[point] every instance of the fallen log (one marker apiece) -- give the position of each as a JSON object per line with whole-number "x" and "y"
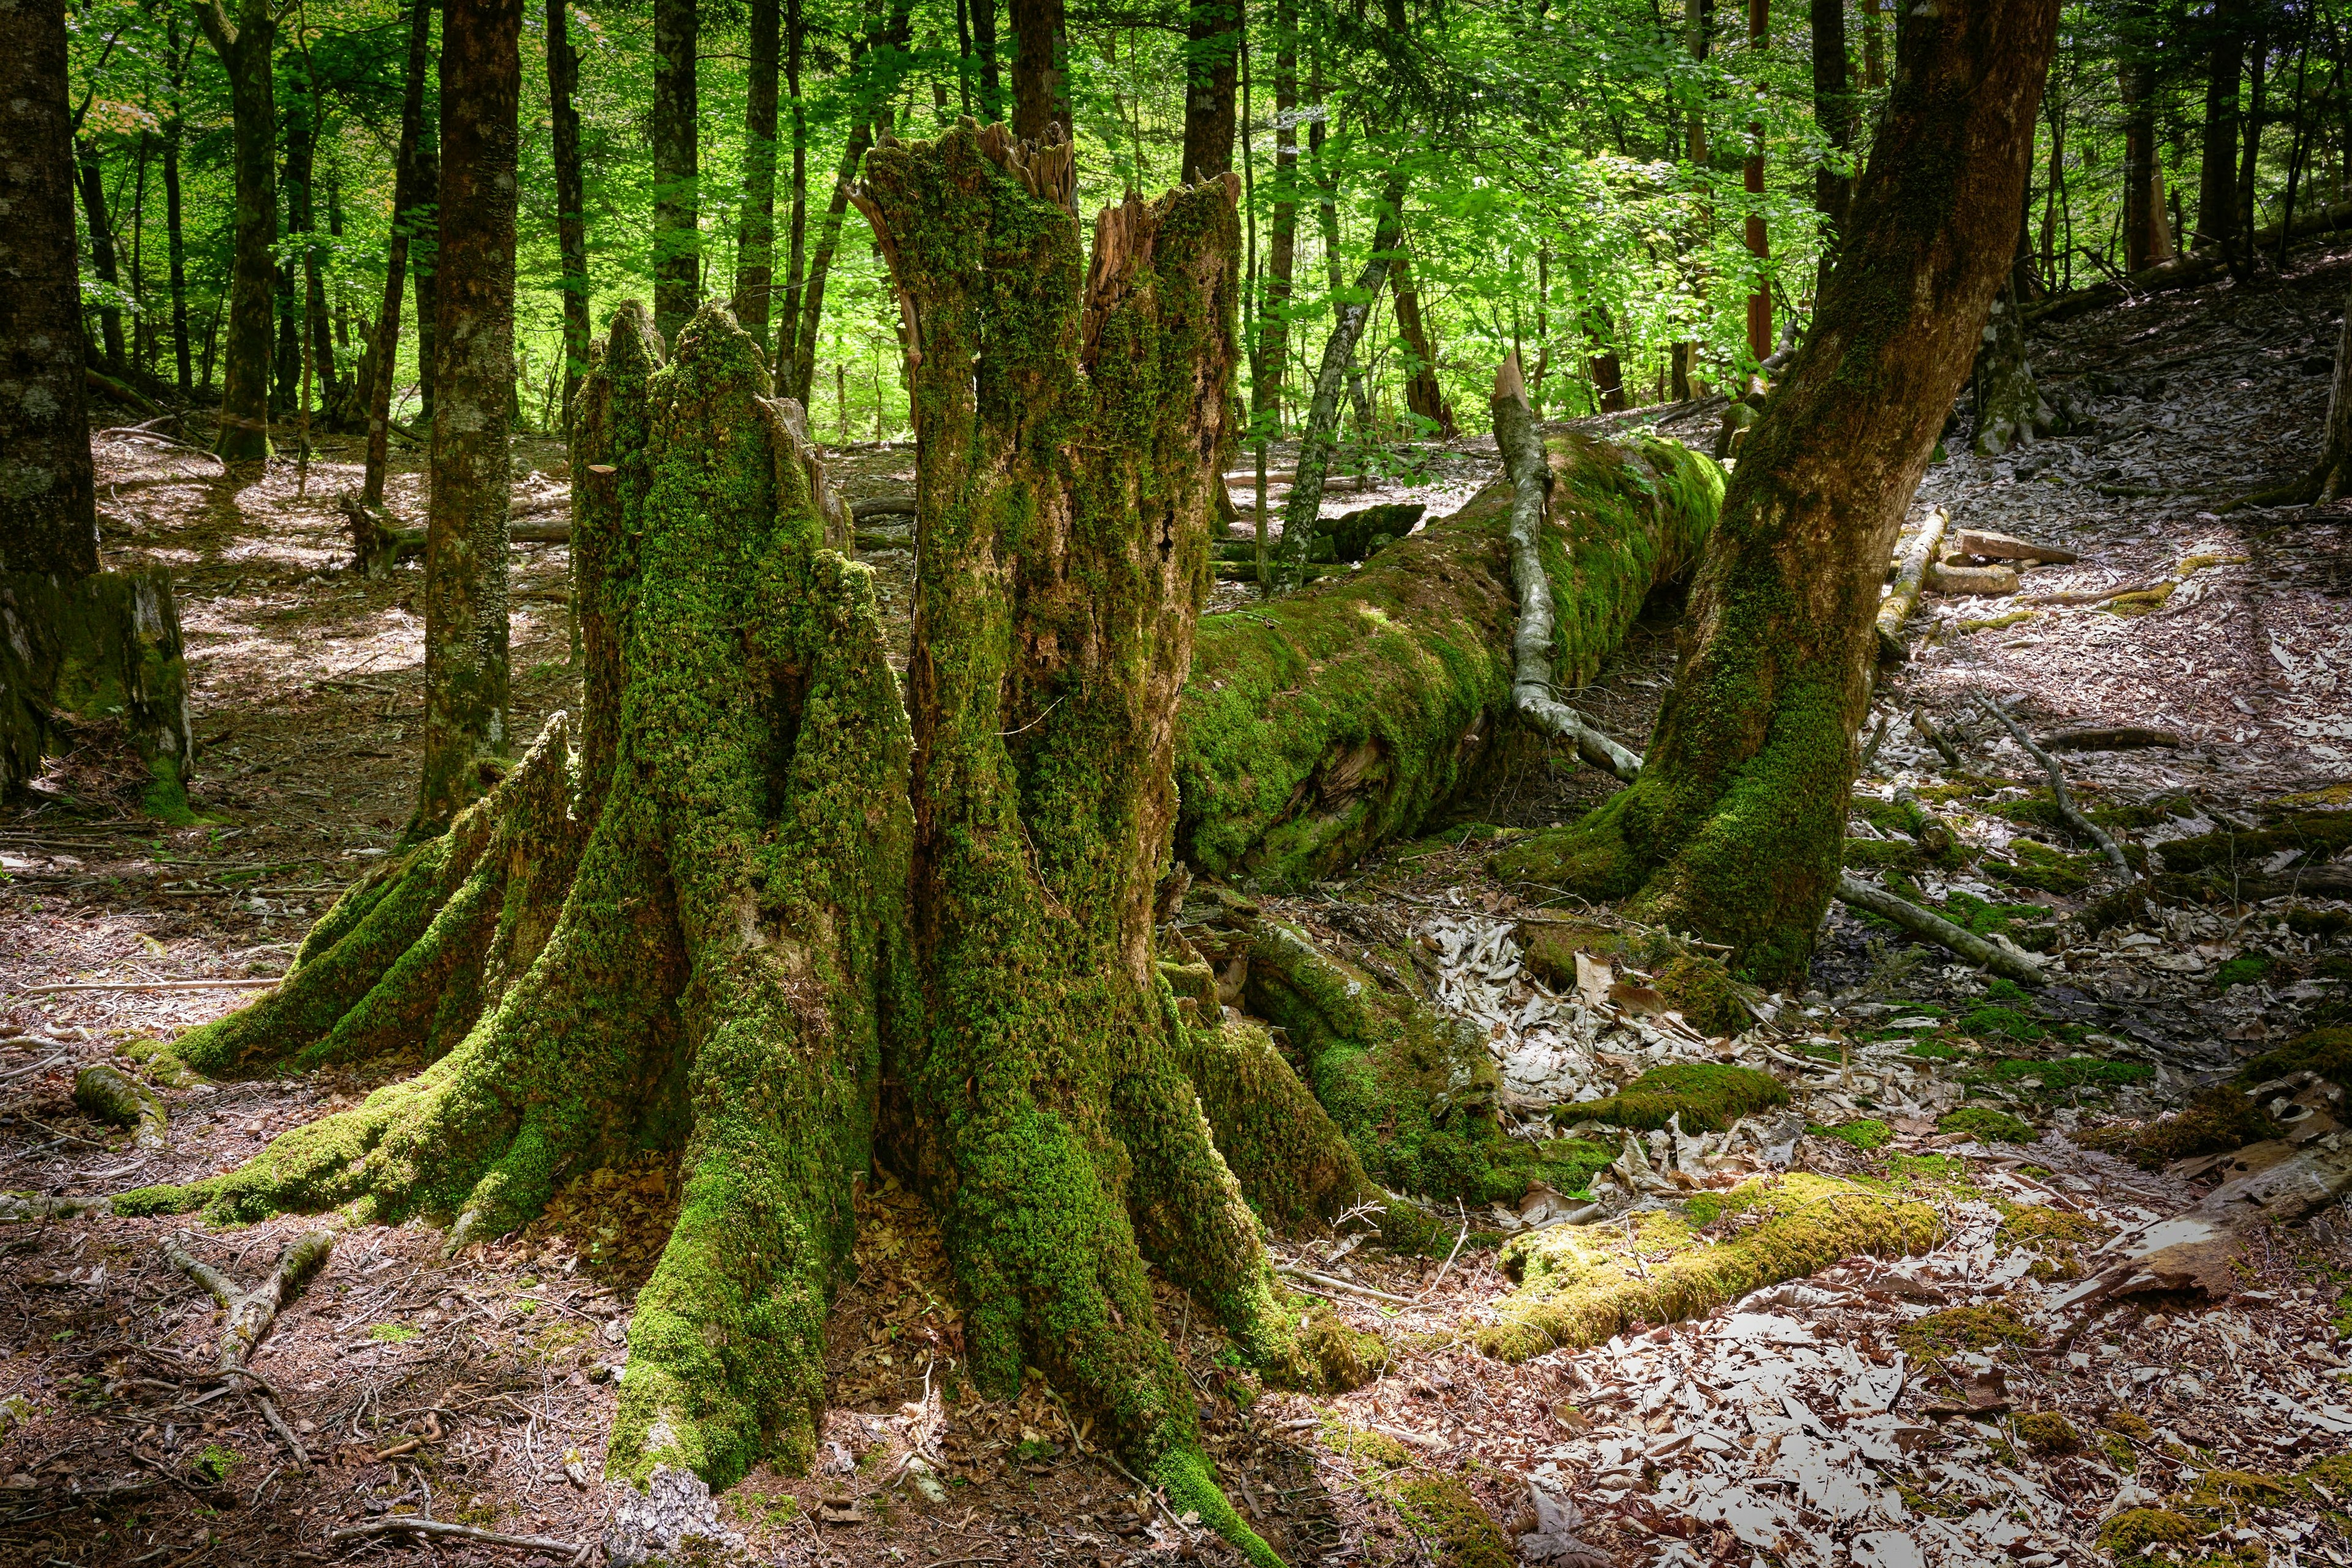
{"x": 1987, "y": 545}
{"x": 2067, "y": 809}
{"x": 882, "y": 506}
{"x": 2113, "y": 738}
{"x": 2180, "y": 272}
{"x": 1960, "y": 582}
{"x": 1319, "y": 724}
{"x": 1910, "y": 578}
{"x": 2011, "y": 963}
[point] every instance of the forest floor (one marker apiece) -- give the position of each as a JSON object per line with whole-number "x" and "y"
{"x": 1879, "y": 1413}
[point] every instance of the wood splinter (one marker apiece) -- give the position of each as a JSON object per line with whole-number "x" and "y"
{"x": 248, "y": 1314}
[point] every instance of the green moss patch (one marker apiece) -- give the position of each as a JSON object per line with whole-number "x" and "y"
{"x": 1709, "y": 1098}
{"x": 2134, "y": 1534}
{"x": 2327, "y": 1052}
{"x": 1976, "y": 1328}
{"x": 1993, "y": 1126}
{"x": 2218, "y": 1119}
{"x": 2047, "y": 1433}
{"x": 1443, "y": 1508}
{"x": 2246, "y": 969}
{"x": 2060, "y": 1077}
{"x": 1866, "y": 1134}
{"x": 1580, "y": 1286}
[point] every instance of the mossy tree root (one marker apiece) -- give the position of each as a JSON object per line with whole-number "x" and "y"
{"x": 719, "y": 950}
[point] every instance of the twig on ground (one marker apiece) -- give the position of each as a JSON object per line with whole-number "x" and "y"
{"x": 1927, "y": 926}
{"x": 577, "y": 1549}
{"x": 2066, "y": 807}
{"x": 1331, "y": 1282}
{"x": 247, "y": 1315}
{"x": 1437, "y": 1278}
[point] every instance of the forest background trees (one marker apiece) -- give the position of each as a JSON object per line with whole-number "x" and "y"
{"x": 1578, "y": 180}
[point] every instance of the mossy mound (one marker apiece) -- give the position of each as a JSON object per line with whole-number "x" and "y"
{"x": 2327, "y": 1052}
{"x": 1443, "y": 1508}
{"x": 1709, "y": 1098}
{"x": 2047, "y": 1433}
{"x": 2040, "y": 866}
{"x": 1976, "y": 1327}
{"x": 2233, "y": 1491}
{"x": 1993, "y": 1126}
{"x": 2132, "y": 1534}
{"x": 1364, "y": 1446}
{"x": 1866, "y": 1135}
{"x": 2318, "y": 834}
{"x": 2130, "y": 1423}
{"x": 1692, "y": 983}
{"x": 1580, "y": 1286}
{"x": 2246, "y": 969}
{"x": 2037, "y": 1224}
{"x": 2218, "y": 1119}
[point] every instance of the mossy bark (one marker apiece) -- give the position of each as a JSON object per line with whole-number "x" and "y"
{"x": 94, "y": 650}
{"x": 1735, "y": 827}
{"x": 1318, "y": 725}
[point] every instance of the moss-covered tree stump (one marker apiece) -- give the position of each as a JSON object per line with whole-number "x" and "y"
{"x": 761, "y": 913}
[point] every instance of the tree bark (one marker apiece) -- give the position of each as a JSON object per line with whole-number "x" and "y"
{"x": 1760, "y": 302}
{"x": 303, "y": 133}
{"x": 1422, "y": 394}
{"x": 1211, "y": 54}
{"x": 789, "y": 346}
{"x": 677, "y": 138}
{"x": 407, "y": 196}
{"x": 1735, "y": 826}
{"x": 1041, "y": 75}
{"x": 1305, "y": 507}
{"x": 2217, "y": 175}
{"x": 1607, "y": 371}
{"x": 104, "y": 647}
{"x": 2010, "y": 409}
{"x": 572, "y": 199}
{"x": 102, "y": 253}
{"x": 984, "y": 44}
{"x": 176, "y": 244}
{"x": 1272, "y": 350}
{"x": 465, "y": 532}
{"x": 1834, "y": 115}
{"x": 2146, "y": 239}
{"x": 424, "y": 241}
{"x": 755, "y": 238}
{"x": 245, "y": 46}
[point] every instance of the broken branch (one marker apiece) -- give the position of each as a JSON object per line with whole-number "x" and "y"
{"x": 2066, "y": 807}
{"x": 1910, "y": 578}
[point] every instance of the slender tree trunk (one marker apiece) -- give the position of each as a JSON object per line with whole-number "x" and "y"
{"x": 883, "y": 60}
{"x": 755, "y": 239}
{"x": 407, "y": 195}
{"x": 143, "y": 335}
{"x": 1759, "y": 303}
{"x": 677, "y": 137}
{"x": 424, "y": 242}
{"x": 2146, "y": 239}
{"x": 1833, "y": 114}
{"x": 293, "y": 294}
{"x": 335, "y": 236}
{"x": 2258, "y": 54}
{"x": 75, "y": 641}
{"x": 2053, "y": 195}
{"x": 1321, "y": 426}
{"x": 1211, "y": 41}
{"x": 1041, "y": 75}
{"x": 2217, "y": 175}
{"x": 314, "y": 284}
{"x": 1607, "y": 371}
{"x": 101, "y": 252}
{"x": 175, "y": 241}
{"x": 1873, "y": 61}
{"x": 571, "y": 198}
{"x": 245, "y": 46}
{"x": 1273, "y": 346}
{"x": 1736, "y": 827}
{"x": 1327, "y": 223}
{"x": 466, "y": 537}
{"x": 984, "y": 43}
{"x": 1422, "y": 394}
{"x": 1698, "y": 27}
{"x": 789, "y": 344}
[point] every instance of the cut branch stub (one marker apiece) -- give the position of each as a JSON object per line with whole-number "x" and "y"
{"x": 1068, "y": 441}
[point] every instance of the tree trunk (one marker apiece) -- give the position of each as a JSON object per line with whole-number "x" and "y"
{"x": 1833, "y": 114}
{"x": 1608, "y": 372}
{"x": 97, "y": 646}
{"x": 1736, "y": 826}
{"x": 2330, "y": 479}
{"x": 465, "y": 532}
{"x": 2258, "y": 54}
{"x": 2010, "y": 409}
{"x": 1423, "y": 395}
{"x": 1273, "y": 347}
{"x": 984, "y": 44}
{"x": 293, "y": 297}
{"x": 2146, "y": 241}
{"x": 885, "y": 42}
{"x": 407, "y": 194}
{"x": 572, "y": 200}
{"x": 245, "y": 46}
{"x": 789, "y": 346}
{"x": 1212, "y": 53}
{"x": 755, "y": 238}
{"x": 677, "y": 137}
{"x": 2217, "y": 175}
{"x": 102, "y": 253}
{"x": 175, "y": 242}
{"x": 1305, "y": 507}
{"x": 1041, "y": 75}
{"x": 770, "y": 925}
{"x": 424, "y": 241}
{"x": 1760, "y": 302}
{"x": 304, "y": 213}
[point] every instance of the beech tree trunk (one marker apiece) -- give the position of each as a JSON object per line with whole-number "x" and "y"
{"x": 572, "y": 200}
{"x": 1041, "y": 75}
{"x": 1735, "y": 826}
{"x": 755, "y": 237}
{"x": 424, "y": 241}
{"x": 175, "y": 242}
{"x": 2217, "y": 172}
{"x": 245, "y": 46}
{"x": 677, "y": 138}
{"x": 1422, "y": 394}
{"x": 102, "y": 253}
{"x": 1211, "y": 57}
{"x": 1833, "y": 114}
{"x": 76, "y": 644}
{"x": 383, "y": 364}
{"x": 466, "y": 534}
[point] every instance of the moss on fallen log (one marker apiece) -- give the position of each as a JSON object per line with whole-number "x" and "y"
{"x": 1316, "y": 726}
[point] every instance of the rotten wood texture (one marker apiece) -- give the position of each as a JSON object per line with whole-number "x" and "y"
{"x": 1990, "y": 546}
{"x": 1910, "y": 578}
{"x": 1996, "y": 954}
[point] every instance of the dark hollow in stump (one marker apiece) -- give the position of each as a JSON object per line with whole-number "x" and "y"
{"x": 765, "y": 916}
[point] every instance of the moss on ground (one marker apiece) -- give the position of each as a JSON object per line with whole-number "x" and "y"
{"x": 2054, "y": 1080}
{"x": 2327, "y": 1052}
{"x": 2049, "y": 1434}
{"x": 1866, "y": 1135}
{"x": 2132, "y": 1535}
{"x": 1995, "y": 1126}
{"x": 2038, "y": 866}
{"x": 2318, "y": 833}
{"x": 2218, "y": 1119}
{"x": 1693, "y": 984}
{"x": 1443, "y": 1508}
{"x": 1974, "y": 1328}
{"x": 1707, "y": 1096}
{"x": 1578, "y": 1287}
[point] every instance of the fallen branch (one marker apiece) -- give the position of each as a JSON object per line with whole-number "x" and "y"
{"x": 2099, "y": 596}
{"x": 2066, "y": 807}
{"x": 153, "y": 986}
{"x": 18, "y": 1207}
{"x": 248, "y": 1314}
{"x": 1331, "y": 1282}
{"x": 882, "y": 506}
{"x": 1530, "y": 474}
{"x": 1910, "y": 579}
{"x": 2118, "y": 738}
{"x": 389, "y": 1523}
{"x": 2001, "y": 960}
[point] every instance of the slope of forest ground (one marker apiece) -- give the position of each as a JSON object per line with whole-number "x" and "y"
{"x": 1949, "y": 1408}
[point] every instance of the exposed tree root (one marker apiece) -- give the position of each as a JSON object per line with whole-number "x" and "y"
{"x": 574, "y": 1552}
{"x": 248, "y": 1314}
